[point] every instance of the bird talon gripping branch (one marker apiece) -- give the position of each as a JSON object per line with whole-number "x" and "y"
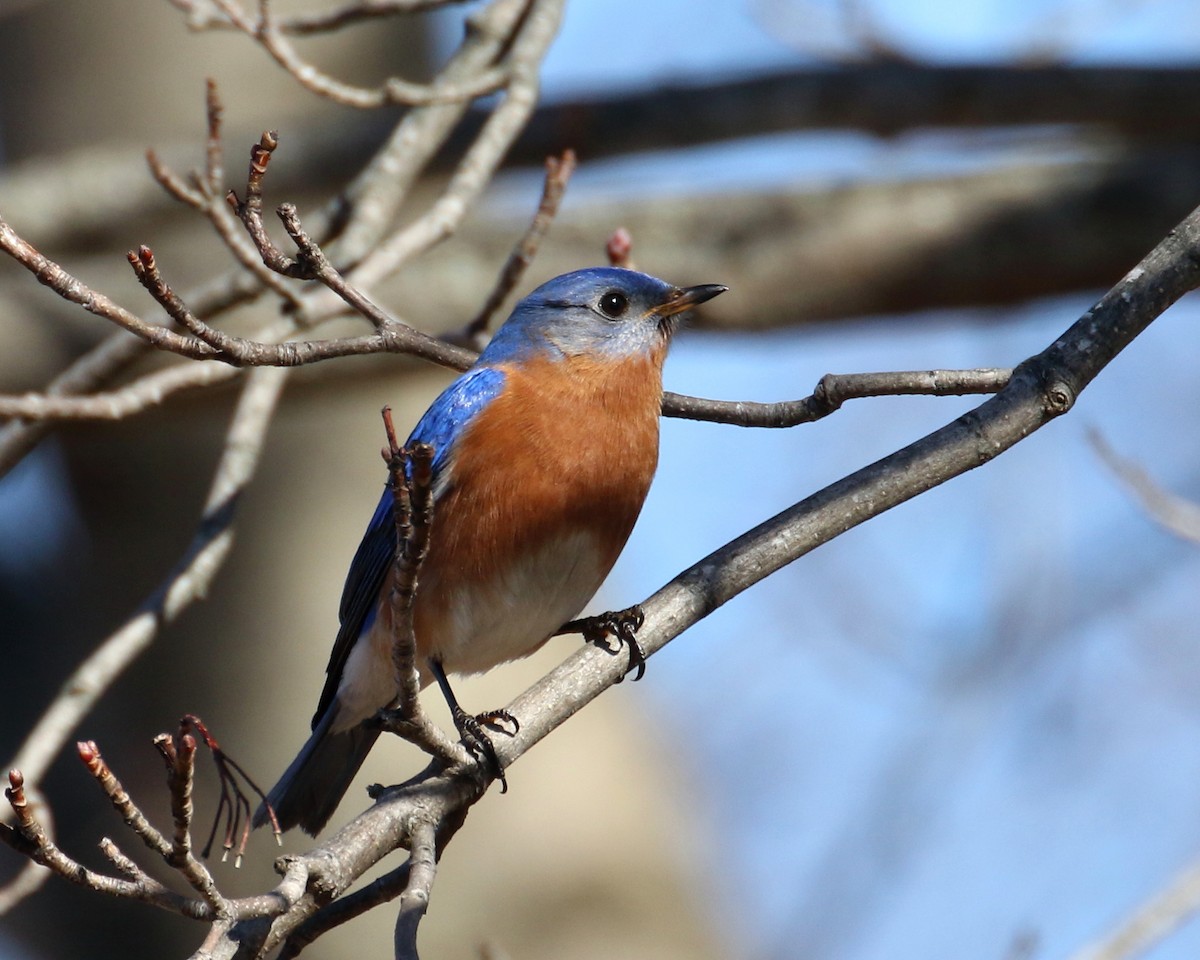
{"x": 479, "y": 745}
{"x": 619, "y": 625}
{"x": 500, "y": 720}
{"x": 541, "y": 457}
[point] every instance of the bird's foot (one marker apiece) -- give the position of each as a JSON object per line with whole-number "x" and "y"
{"x": 477, "y": 741}
{"x": 619, "y": 625}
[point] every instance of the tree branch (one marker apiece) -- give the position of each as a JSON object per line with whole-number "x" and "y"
{"x": 1175, "y": 514}
{"x": 1151, "y": 922}
{"x": 832, "y": 391}
{"x": 414, "y": 901}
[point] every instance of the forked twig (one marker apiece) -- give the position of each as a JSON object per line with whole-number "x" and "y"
{"x": 233, "y": 806}
{"x": 558, "y": 173}
{"x": 410, "y": 473}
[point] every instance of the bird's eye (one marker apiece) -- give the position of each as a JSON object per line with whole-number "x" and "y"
{"x": 614, "y": 304}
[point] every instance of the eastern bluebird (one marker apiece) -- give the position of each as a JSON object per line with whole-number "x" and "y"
{"x": 544, "y": 453}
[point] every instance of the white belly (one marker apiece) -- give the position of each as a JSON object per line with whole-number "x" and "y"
{"x": 482, "y": 625}
{"x": 512, "y": 615}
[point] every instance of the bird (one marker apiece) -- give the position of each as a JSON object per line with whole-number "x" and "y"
{"x": 544, "y": 451}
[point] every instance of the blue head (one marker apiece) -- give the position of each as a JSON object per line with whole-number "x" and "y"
{"x": 601, "y": 311}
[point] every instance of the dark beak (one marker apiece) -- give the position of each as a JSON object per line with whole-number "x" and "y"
{"x": 689, "y": 297}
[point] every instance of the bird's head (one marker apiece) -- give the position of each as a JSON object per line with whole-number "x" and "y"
{"x": 601, "y": 311}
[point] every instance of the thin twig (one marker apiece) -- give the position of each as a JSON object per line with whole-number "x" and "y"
{"x": 393, "y": 91}
{"x": 89, "y": 753}
{"x": 1175, "y": 514}
{"x": 36, "y": 844}
{"x": 205, "y": 193}
{"x": 558, "y": 172}
{"x": 179, "y": 754}
{"x": 393, "y": 336}
{"x": 832, "y": 391}
{"x": 204, "y": 15}
{"x": 410, "y": 475}
{"x": 69, "y": 288}
{"x": 145, "y": 268}
{"x": 414, "y": 901}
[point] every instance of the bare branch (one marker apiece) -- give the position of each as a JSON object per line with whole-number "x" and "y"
{"x": 381, "y": 890}
{"x": 204, "y": 14}
{"x": 558, "y": 172}
{"x": 205, "y": 193}
{"x": 35, "y": 844}
{"x": 832, "y": 391}
{"x": 89, "y": 753}
{"x": 69, "y": 288}
{"x": 415, "y": 899}
{"x": 362, "y": 211}
{"x": 410, "y": 475}
{"x": 392, "y": 91}
{"x": 1152, "y": 921}
{"x": 1175, "y": 514}
{"x": 179, "y": 754}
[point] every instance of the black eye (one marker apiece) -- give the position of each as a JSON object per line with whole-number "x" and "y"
{"x": 613, "y": 304}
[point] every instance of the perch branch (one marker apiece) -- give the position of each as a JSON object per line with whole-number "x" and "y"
{"x": 832, "y": 391}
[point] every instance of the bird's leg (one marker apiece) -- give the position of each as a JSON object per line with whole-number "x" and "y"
{"x": 470, "y": 727}
{"x": 621, "y": 625}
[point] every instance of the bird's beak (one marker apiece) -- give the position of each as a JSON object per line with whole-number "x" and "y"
{"x": 689, "y": 297}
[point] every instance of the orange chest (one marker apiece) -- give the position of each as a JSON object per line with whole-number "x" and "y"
{"x": 568, "y": 445}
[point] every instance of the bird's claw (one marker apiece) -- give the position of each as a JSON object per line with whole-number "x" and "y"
{"x": 622, "y": 626}
{"x": 479, "y": 744}
{"x": 498, "y": 720}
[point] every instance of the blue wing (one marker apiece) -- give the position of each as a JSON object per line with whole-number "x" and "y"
{"x": 443, "y": 422}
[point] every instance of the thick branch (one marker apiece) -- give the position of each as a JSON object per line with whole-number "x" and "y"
{"x": 881, "y": 98}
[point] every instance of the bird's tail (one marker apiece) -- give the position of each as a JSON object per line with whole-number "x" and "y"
{"x": 312, "y": 787}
